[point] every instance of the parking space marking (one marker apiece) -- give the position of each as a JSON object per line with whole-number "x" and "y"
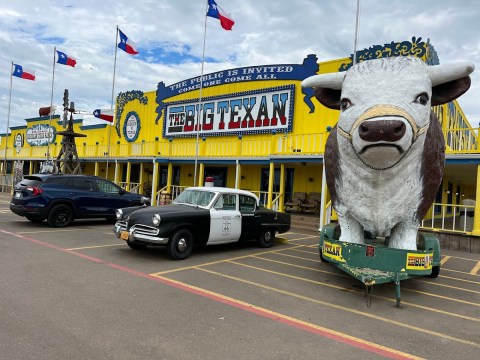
{"x": 448, "y": 286}
{"x": 343, "y": 308}
{"x": 54, "y": 230}
{"x": 352, "y": 290}
{"x": 459, "y": 279}
{"x": 263, "y": 312}
{"x": 217, "y": 262}
{"x": 475, "y": 269}
{"x": 93, "y": 247}
{"x": 444, "y": 260}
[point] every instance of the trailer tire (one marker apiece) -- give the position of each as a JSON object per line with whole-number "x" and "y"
{"x": 435, "y": 272}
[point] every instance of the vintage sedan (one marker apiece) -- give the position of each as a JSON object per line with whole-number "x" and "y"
{"x": 200, "y": 216}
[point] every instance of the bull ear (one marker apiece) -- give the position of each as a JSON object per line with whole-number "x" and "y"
{"x": 328, "y": 97}
{"x": 446, "y": 92}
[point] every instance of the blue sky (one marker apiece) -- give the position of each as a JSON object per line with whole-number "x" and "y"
{"x": 169, "y": 35}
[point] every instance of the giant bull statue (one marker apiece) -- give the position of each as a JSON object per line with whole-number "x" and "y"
{"x": 385, "y": 157}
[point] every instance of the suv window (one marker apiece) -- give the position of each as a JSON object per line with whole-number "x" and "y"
{"x": 58, "y": 181}
{"x": 107, "y": 187}
{"x": 31, "y": 182}
{"x": 83, "y": 184}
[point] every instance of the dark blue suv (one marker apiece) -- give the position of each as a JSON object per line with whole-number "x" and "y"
{"x": 61, "y": 198}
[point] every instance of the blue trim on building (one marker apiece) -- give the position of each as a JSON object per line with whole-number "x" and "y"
{"x": 42, "y": 118}
{"x": 94, "y": 126}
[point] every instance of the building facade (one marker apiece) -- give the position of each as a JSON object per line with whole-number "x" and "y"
{"x": 257, "y": 130}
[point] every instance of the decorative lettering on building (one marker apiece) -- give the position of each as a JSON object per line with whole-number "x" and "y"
{"x": 40, "y": 135}
{"x": 251, "y": 112}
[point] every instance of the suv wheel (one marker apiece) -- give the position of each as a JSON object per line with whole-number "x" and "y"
{"x": 60, "y": 216}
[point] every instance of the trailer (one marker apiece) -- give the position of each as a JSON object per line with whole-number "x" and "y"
{"x": 375, "y": 263}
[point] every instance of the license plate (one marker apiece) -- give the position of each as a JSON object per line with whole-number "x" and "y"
{"x": 18, "y": 194}
{"x": 124, "y": 235}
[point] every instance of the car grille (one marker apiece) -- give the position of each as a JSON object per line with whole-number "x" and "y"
{"x": 144, "y": 229}
{"x": 121, "y": 225}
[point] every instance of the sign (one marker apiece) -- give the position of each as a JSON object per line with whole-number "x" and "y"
{"x": 131, "y": 127}
{"x": 370, "y": 251}
{"x": 251, "y": 112}
{"x": 40, "y": 135}
{"x": 419, "y": 261}
{"x": 18, "y": 142}
{"x": 332, "y": 251}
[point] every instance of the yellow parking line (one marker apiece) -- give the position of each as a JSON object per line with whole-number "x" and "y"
{"x": 219, "y": 261}
{"x": 93, "y": 247}
{"x": 339, "y": 307}
{"x": 444, "y": 260}
{"x": 475, "y": 269}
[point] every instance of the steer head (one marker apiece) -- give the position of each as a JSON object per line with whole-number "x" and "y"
{"x": 385, "y": 103}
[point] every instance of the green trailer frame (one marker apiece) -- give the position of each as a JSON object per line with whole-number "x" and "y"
{"x": 375, "y": 263}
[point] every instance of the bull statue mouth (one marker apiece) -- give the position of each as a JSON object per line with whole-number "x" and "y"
{"x": 382, "y": 136}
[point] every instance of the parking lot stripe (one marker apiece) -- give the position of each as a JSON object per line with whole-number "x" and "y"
{"x": 339, "y": 307}
{"x": 475, "y": 269}
{"x": 352, "y": 290}
{"x": 444, "y": 260}
{"x": 448, "y": 286}
{"x": 93, "y": 247}
{"x": 268, "y": 314}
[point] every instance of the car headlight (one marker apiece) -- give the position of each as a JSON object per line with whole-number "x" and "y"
{"x": 119, "y": 214}
{"x": 145, "y": 200}
{"x": 156, "y": 219}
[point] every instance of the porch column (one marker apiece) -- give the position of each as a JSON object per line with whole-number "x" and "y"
{"x": 115, "y": 176}
{"x": 201, "y": 175}
{"x": 169, "y": 178}
{"x": 238, "y": 174}
{"x": 142, "y": 169}
{"x": 129, "y": 172}
{"x": 323, "y": 197}
{"x": 153, "y": 199}
{"x": 476, "y": 218}
{"x": 96, "y": 168}
{"x": 271, "y": 177}
{"x": 30, "y": 168}
{"x": 281, "y": 199}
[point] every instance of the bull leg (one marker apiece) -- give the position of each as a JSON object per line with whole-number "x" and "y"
{"x": 404, "y": 236}
{"x": 352, "y": 231}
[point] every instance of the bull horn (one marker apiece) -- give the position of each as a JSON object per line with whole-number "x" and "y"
{"x": 440, "y": 74}
{"x": 330, "y": 81}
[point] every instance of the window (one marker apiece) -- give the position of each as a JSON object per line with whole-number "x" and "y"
{"x": 247, "y": 203}
{"x": 226, "y": 202}
{"x": 83, "y": 184}
{"x": 107, "y": 187}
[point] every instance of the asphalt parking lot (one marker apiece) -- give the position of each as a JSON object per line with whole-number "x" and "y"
{"x": 80, "y": 293}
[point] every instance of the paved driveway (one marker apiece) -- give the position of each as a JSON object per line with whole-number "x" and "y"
{"x": 80, "y": 293}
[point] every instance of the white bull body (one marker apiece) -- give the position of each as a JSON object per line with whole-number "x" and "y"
{"x": 385, "y": 158}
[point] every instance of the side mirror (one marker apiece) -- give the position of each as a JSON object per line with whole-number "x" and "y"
{"x": 122, "y": 191}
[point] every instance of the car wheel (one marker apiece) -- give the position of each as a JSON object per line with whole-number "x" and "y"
{"x": 60, "y": 216}
{"x": 136, "y": 246}
{"x": 435, "y": 272}
{"x": 34, "y": 219}
{"x": 267, "y": 238}
{"x": 180, "y": 246}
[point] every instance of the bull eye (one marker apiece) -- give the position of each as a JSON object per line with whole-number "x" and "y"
{"x": 345, "y": 104}
{"x": 422, "y": 99}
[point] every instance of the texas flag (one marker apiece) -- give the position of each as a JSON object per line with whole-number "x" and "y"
{"x": 64, "y": 59}
{"x": 217, "y": 12}
{"x": 21, "y": 72}
{"x": 126, "y": 44}
{"x": 106, "y": 115}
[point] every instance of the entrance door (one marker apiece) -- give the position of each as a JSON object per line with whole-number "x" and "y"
{"x": 225, "y": 220}
{"x": 276, "y": 183}
{"x": 219, "y": 175}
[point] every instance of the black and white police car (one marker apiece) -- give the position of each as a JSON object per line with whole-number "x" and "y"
{"x": 200, "y": 216}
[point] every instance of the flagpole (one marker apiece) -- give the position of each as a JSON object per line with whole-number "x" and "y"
{"x": 51, "y": 103}
{"x": 4, "y": 183}
{"x": 111, "y": 104}
{"x": 200, "y": 109}
{"x": 356, "y": 34}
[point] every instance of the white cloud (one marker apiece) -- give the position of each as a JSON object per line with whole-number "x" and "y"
{"x": 265, "y": 32}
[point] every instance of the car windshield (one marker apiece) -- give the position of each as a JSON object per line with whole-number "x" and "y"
{"x": 195, "y": 197}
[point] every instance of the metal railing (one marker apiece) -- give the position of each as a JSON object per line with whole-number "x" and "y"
{"x": 449, "y": 217}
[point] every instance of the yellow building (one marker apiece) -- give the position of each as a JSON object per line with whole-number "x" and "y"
{"x": 259, "y": 130}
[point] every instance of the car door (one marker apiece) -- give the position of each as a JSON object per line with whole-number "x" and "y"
{"x": 82, "y": 192}
{"x": 251, "y": 220}
{"x": 110, "y": 197}
{"x": 225, "y": 220}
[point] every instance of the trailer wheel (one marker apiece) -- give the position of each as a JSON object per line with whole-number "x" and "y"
{"x": 322, "y": 259}
{"x": 435, "y": 272}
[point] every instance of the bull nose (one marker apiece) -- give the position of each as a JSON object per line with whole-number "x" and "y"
{"x": 382, "y": 130}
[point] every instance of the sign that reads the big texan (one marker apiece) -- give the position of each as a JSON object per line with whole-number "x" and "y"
{"x": 259, "y": 111}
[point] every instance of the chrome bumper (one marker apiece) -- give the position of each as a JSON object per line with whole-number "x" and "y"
{"x": 142, "y": 233}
